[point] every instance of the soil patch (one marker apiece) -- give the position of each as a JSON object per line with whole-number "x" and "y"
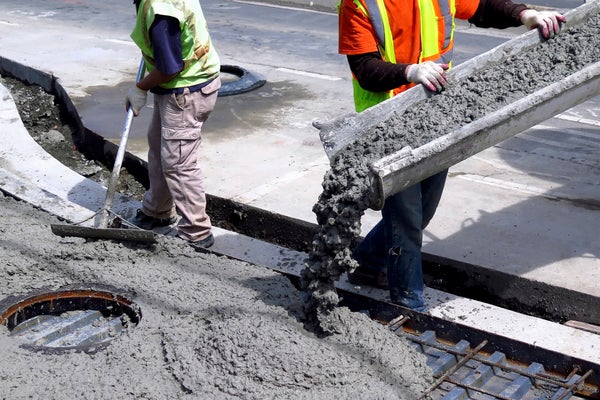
{"x": 51, "y": 127}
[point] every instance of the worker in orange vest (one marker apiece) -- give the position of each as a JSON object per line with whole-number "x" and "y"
{"x": 392, "y": 45}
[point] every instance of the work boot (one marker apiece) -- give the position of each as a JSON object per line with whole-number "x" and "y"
{"x": 201, "y": 245}
{"x": 144, "y": 221}
{"x": 371, "y": 277}
{"x": 411, "y": 304}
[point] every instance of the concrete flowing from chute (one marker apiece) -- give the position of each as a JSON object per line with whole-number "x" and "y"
{"x": 347, "y": 192}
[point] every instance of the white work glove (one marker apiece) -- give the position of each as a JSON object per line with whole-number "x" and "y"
{"x": 548, "y": 22}
{"x": 136, "y": 99}
{"x": 430, "y": 74}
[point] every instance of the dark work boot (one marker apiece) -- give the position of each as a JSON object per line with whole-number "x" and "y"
{"x": 203, "y": 244}
{"x": 141, "y": 220}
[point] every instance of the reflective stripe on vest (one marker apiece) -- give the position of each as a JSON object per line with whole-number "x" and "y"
{"x": 430, "y": 38}
{"x": 381, "y": 24}
{"x": 431, "y": 48}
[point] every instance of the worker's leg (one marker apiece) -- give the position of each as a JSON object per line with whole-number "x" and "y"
{"x": 431, "y": 194}
{"x": 182, "y": 119}
{"x": 405, "y": 214}
{"x": 371, "y": 255}
{"x": 371, "y": 252}
{"x": 157, "y": 202}
{"x": 402, "y": 215}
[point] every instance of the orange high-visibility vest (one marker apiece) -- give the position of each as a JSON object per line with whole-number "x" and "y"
{"x": 437, "y": 40}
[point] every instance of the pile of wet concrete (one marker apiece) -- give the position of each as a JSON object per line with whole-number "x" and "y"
{"x": 211, "y": 327}
{"x": 346, "y": 186}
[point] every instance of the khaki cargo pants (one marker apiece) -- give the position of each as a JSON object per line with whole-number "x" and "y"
{"x": 176, "y": 180}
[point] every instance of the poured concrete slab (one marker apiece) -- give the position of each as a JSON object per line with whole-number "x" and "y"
{"x": 527, "y": 207}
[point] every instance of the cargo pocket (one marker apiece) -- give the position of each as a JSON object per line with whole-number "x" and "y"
{"x": 179, "y": 150}
{"x": 181, "y": 134}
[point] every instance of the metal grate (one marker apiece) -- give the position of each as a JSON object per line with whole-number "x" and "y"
{"x": 463, "y": 372}
{"x": 69, "y": 330}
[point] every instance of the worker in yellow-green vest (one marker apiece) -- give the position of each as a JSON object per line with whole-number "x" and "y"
{"x": 390, "y": 46}
{"x": 183, "y": 76}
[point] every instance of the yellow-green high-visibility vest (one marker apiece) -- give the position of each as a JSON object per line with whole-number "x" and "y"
{"x": 432, "y": 48}
{"x": 200, "y": 59}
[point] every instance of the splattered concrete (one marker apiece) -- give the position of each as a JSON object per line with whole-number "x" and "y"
{"x": 211, "y": 327}
{"x": 346, "y": 186}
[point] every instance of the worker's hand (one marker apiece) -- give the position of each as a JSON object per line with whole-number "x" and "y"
{"x": 136, "y": 99}
{"x": 548, "y": 22}
{"x": 430, "y": 74}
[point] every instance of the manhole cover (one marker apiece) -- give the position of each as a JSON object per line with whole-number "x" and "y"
{"x": 69, "y": 319}
{"x": 237, "y": 80}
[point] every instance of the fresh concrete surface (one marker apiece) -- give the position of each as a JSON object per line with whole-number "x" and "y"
{"x": 47, "y": 184}
{"x": 528, "y": 206}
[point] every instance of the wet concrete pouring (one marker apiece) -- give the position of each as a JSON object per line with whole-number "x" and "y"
{"x": 212, "y": 327}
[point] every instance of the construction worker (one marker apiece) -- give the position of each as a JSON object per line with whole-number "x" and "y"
{"x": 183, "y": 74}
{"x": 391, "y": 45}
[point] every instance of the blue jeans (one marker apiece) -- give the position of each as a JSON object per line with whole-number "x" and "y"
{"x": 395, "y": 242}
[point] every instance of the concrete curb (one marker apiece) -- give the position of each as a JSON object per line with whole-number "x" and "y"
{"x": 32, "y": 175}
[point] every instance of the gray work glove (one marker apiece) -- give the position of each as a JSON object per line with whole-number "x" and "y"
{"x": 548, "y": 22}
{"x": 430, "y": 74}
{"x": 136, "y": 99}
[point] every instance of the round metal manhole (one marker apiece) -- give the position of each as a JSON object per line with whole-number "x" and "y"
{"x": 69, "y": 319}
{"x": 237, "y": 80}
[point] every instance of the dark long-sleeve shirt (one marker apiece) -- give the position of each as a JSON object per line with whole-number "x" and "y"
{"x": 377, "y": 75}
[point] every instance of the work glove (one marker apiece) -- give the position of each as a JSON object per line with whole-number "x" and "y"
{"x": 136, "y": 99}
{"x": 430, "y": 74}
{"x": 548, "y": 22}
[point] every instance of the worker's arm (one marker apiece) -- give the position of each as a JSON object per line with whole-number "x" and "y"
{"x": 376, "y": 75}
{"x": 166, "y": 42}
{"x": 498, "y": 14}
{"x": 502, "y": 14}
{"x": 153, "y": 79}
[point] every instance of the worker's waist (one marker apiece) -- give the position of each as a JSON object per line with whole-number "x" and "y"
{"x": 179, "y": 90}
